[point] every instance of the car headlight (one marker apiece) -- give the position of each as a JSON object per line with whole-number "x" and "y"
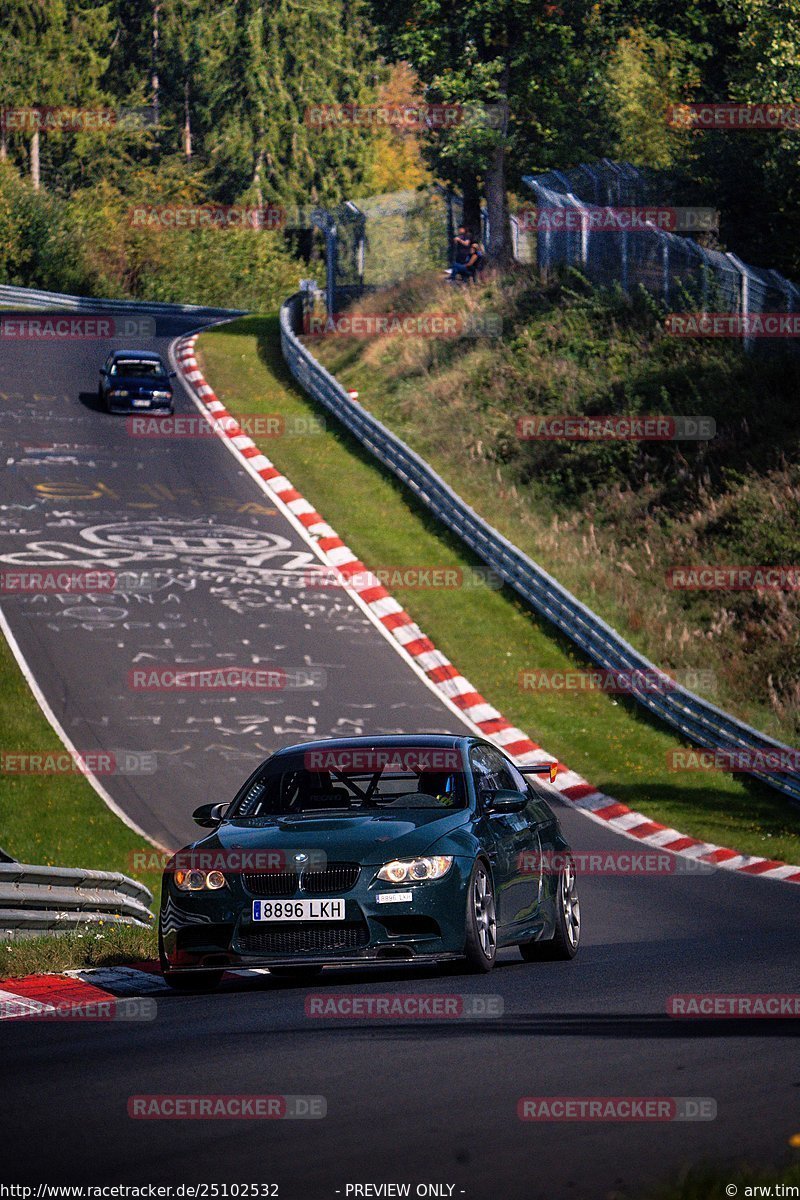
{"x": 416, "y": 870}
{"x": 198, "y": 881}
{"x": 120, "y": 392}
{"x": 161, "y": 395}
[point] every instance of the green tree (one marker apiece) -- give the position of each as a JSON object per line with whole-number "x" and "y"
{"x": 510, "y": 64}
{"x": 266, "y": 67}
{"x": 645, "y": 75}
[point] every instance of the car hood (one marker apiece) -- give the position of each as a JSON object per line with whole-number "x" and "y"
{"x": 369, "y": 839}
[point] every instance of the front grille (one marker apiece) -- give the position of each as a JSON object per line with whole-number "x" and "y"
{"x": 335, "y": 878}
{"x": 308, "y": 939}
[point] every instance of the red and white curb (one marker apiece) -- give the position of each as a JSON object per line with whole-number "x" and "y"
{"x": 96, "y": 994}
{"x": 438, "y": 671}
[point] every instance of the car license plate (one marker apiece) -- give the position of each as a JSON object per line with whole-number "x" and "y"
{"x": 141, "y": 404}
{"x": 298, "y": 910}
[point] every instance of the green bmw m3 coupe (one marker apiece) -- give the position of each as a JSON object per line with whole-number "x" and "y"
{"x": 418, "y": 848}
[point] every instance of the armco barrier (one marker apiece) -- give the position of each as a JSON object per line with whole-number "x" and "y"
{"x": 42, "y": 900}
{"x": 695, "y": 718}
{"x": 31, "y": 298}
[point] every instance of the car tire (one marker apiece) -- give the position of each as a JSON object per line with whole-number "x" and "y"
{"x": 299, "y": 973}
{"x": 480, "y": 942}
{"x": 187, "y": 981}
{"x": 565, "y": 941}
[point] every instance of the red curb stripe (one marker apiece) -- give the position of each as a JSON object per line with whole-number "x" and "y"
{"x": 395, "y": 620}
{"x": 758, "y": 868}
{"x": 422, "y": 645}
{"x": 522, "y": 747}
{"x": 356, "y": 567}
{"x": 682, "y": 843}
{"x": 497, "y": 725}
{"x": 439, "y": 674}
{"x": 54, "y": 989}
{"x": 646, "y": 829}
{"x": 290, "y": 495}
{"x": 379, "y": 592}
{"x": 578, "y": 790}
{"x": 613, "y": 810}
{"x": 718, "y": 856}
{"x": 468, "y": 699}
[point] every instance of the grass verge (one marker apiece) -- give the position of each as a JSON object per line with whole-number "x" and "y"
{"x": 489, "y": 634}
{"x": 103, "y": 946}
{"x": 59, "y": 820}
{"x": 612, "y": 519}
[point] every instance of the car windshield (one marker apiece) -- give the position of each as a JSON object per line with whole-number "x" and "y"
{"x": 130, "y": 367}
{"x": 286, "y": 786}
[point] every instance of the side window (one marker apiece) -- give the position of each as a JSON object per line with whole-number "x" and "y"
{"x": 491, "y": 771}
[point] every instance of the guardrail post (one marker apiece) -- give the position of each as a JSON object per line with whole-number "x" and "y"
{"x": 665, "y": 280}
{"x": 744, "y": 300}
{"x": 330, "y": 269}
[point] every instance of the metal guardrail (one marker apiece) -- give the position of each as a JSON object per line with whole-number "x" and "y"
{"x": 35, "y": 299}
{"x": 41, "y": 900}
{"x": 696, "y": 719}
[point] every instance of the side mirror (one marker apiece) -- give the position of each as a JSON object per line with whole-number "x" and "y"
{"x": 173, "y": 374}
{"x": 103, "y": 371}
{"x": 209, "y": 815}
{"x": 505, "y": 801}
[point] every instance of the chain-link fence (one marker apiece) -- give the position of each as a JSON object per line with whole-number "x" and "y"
{"x": 381, "y": 240}
{"x": 683, "y": 274}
